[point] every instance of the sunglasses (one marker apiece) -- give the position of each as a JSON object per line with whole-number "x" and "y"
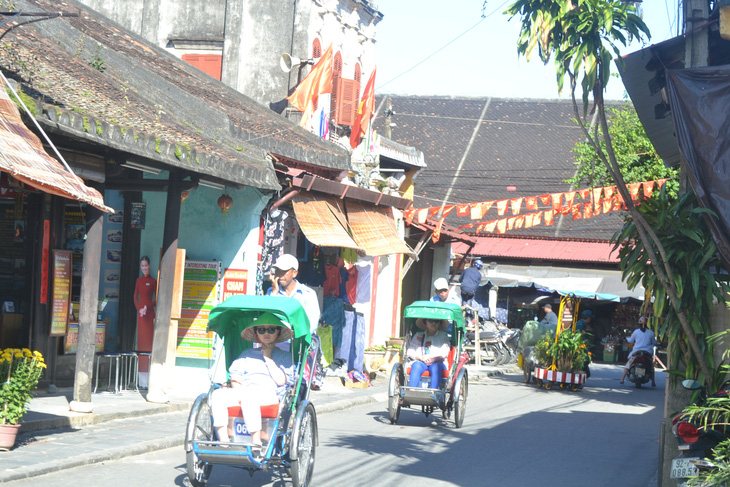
{"x": 261, "y": 331}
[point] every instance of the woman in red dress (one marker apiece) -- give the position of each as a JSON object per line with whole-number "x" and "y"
{"x": 145, "y": 292}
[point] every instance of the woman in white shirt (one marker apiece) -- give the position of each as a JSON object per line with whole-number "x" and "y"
{"x": 428, "y": 350}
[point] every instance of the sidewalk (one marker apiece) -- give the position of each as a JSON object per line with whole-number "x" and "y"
{"x": 52, "y": 438}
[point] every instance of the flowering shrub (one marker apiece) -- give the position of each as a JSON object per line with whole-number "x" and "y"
{"x": 569, "y": 352}
{"x": 20, "y": 371}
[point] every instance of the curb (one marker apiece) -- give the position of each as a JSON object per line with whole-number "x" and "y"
{"x": 96, "y": 418}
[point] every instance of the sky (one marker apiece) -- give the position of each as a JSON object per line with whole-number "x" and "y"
{"x": 416, "y": 56}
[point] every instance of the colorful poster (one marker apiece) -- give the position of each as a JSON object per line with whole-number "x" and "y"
{"x": 61, "y": 291}
{"x": 200, "y": 295}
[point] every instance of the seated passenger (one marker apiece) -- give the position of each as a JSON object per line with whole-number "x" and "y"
{"x": 258, "y": 377}
{"x": 428, "y": 350}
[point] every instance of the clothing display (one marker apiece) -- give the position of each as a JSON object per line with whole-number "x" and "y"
{"x": 332, "y": 282}
{"x": 333, "y": 314}
{"x": 272, "y": 247}
{"x": 325, "y": 341}
{"x": 351, "y": 286}
{"x": 352, "y": 349}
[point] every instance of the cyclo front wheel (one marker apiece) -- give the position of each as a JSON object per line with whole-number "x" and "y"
{"x": 200, "y": 427}
{"x": 394, "y": 387}
{"x": 305, "y": 433}
{"x": 461, "y": 389}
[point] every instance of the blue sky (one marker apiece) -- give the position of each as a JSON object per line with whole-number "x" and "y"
{"x": 483, "y": 61}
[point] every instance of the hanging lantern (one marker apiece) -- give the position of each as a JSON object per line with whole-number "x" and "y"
{"x": 225, "y": 202}
{"x": 183, "y": 196}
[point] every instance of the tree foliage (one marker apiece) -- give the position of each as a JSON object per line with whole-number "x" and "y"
{"x": 636, "y": 157}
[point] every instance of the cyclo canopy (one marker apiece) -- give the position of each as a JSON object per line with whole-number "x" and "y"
{"x": 435, "y": 310}
{"x": 239, "y": 312}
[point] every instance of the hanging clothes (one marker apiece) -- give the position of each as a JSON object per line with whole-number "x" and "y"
{"x": 342, "y": 291}
{"x": 332, "y": 282}
{"x": 272, "y": 247}
{"x": 351, "y": 285}
{"x": 333, "y": 313}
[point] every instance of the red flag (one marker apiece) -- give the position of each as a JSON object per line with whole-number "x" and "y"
{"x": 409, "y": 214}
{"x": 585, "y": 193}
{"x": 317, "y": 82}
{"x": 660, "y": 182}
{"x": 557, "y": 200}
{"x": 549, "y": 214}
{"x": 432, "y": 211}
{"x": 422, "y": 215}
{"x": 468, "y": 225}
{"x": 462, "y": 210}
{"x": 511, "y": 222}
{"x": 528, "y": 219}
{"x": 501, "y": 225}
{"x": 531, "y": 203}
{"x": 490, "y": 226}
{"x": 516, "y": 205}
{"x": 597, "y": 200}
{"x": 587, "y": 210}
{"x": 519, "y": 221}
{"x": 545, "y": 198}
{"x": 634, "y": 190}
{"x": 364, "y": 112}
{"x": 648, "y": 188}
{"x": 537, "y": 219}
{"x": 501, "y": 207}
{"x": 569, "y": 197}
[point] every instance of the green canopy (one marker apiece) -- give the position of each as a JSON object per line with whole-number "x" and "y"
{"x": 437, "y": 311}
{"x": 238, "y": 312}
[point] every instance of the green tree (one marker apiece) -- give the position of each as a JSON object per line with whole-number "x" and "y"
{"x": 636, "y": 157}
{"x": 583, "y": 36}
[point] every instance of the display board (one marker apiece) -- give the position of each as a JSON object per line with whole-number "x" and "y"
{"x": 201, "y": 293}
{"x": 61, "y": 292}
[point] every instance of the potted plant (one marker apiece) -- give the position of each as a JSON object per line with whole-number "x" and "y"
{"x": 395, "y": 342}
{"x": 20, "y": 370}
{"x": 569, "y": 352}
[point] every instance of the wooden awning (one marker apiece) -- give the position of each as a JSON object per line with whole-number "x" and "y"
{"x": 323, "y": 221}
{"x": 22, "y": 156}
{"x": 374, "y": 229}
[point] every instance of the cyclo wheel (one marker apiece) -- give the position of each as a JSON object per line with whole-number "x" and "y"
{"x": 460, "y": 403}
{"x": 305, "y": 433}
{"x": 394, "y": 388}
{"x": 200, "y": 427}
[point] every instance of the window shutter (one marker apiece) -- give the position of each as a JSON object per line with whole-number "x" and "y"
{"x": 336, "y": 76}
{"x": 210, "y": 64}
{"x": 347, "y": 101}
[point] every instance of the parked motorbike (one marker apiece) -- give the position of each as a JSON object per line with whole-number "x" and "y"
{"x": 642, "y": 370}
{"x": 694, "y": 441}
{"x": 492, "y": 348}
{"x": 510, "y": 341}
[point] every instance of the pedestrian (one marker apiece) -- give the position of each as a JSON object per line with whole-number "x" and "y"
{"x": 444, "y": 294}
{"x": 284, "y": 283}
{"x": 145, "y": 300}
{"x": 644, "y": 340}
{"x": 549, "y": 322}
{"x": 470, "y": 280}
{"x": 585, "y": 321}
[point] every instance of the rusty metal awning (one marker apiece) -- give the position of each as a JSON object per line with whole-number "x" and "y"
{"x": 22, "y": 156}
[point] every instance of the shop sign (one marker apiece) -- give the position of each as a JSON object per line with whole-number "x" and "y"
{"x": 61, "y": 292}
{"x": 235, "y": 281}
{"x": 137, "y": 215}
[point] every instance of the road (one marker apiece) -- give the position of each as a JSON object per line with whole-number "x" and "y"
{"x": 514, "y": 435}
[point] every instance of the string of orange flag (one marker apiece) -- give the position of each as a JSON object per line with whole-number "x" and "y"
{"x": 595, "y": 202}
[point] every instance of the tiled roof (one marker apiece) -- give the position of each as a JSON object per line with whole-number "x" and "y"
{"x": 519, "y": 142}
{"x": 104, "y": 85}
{"x": 542, "y": 249}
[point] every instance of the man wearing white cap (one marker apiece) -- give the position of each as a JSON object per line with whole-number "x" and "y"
{"x": 443, "y": 293}
{"x": 284, "y": 283}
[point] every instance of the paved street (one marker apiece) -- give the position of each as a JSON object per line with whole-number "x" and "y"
{"x": 513, "y": 435}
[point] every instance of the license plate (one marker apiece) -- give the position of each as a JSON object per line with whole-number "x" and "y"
{"x": 681, "y": 467}
{"x": 240, "y": 432}
{"x": 640, "y": 371}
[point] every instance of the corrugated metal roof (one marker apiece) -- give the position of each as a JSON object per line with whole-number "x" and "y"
{"x": 22, "y": 156}
{"x": 550, "y": 250}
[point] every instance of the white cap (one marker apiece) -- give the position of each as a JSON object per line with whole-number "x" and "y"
{"x": 286, "y": 262}
{"x": 440, "y": 284}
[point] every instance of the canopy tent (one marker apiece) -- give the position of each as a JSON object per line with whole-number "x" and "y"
{"x": 605, "y": 285}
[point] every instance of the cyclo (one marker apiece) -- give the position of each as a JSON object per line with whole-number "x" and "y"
{"x": 292, "y": 430}
{"x": 454, "y": 385}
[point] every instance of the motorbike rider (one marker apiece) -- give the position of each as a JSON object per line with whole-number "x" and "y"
{"x": 644, "y": 340}
{"x": 470, "y": 280}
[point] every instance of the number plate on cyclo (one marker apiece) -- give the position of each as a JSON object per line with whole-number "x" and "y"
{"x": 640, "y": 371}
{"x": 240, "y": 432}
{"x": 682, "y": 468}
